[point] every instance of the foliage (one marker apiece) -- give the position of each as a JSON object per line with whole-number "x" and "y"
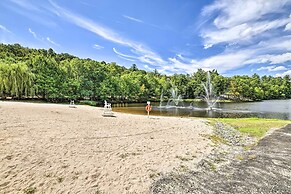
{"x": 44, "y": 74}
{"x": 88, "y": 102}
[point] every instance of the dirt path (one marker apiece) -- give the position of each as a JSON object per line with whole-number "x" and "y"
{"x": 49, "y": 148}
{"x": 267, "y": 169}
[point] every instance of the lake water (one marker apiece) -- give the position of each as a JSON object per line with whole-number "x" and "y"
{"x": 280, "y": 109}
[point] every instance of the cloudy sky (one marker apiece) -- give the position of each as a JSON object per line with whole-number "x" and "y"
{"x": 177, "y": 36}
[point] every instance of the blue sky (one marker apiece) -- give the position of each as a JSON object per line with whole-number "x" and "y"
{"x": 179, "y": 36}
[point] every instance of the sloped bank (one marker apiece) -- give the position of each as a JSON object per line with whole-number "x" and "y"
{"x": 263, "y": 169}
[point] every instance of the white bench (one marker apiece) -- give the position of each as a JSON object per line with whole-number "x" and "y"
{"x": 107, "y": 110}
{"x": 72, "y": 104}
{"x": 107, "y": 105}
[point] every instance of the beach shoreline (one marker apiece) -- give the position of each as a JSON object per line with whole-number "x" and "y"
{"x": 51, "y": 148}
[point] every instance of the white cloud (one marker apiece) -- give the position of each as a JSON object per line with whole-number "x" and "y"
{"x": 98, "y": 47}
{"x": 235, "y": 13}
{"x": 142, "y": 58}
{"x": 42, "y": 39}
{"x": 230, "y": 25}
{"x": 241, "y": 32}
{"x": 52, "y": 42}
{"x": 243, "y": 20}
{"x": 276, "y": 59}
{"x": 33, "y": 33}
{"x": 279, "y": 68}
{"x": 141, "y": 21}
{"x": 288, "y": 27}
{"x": 133, "y": 19}
{"x": 266, "y": 68}
{"x": 272, "y": 59}
{"x": 227, "y": 61}
{"x": 148, "y": 68}
{"x": 273, "y": 68}
{"x": 206, "y": 46}
{"x": 253, "y": 32}
{"x": 284, "y": 74}
{"x": 178, "y": 65}
{"x": 223, "y": 62}
{"x": 4, "y": 28}
{"x": 282, "y": 44}
{"x": 146, "y": 55}
{"x": 233, "y": 59}
{"x": 124, "y": 56}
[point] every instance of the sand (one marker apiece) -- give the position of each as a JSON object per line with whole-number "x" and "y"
{"x": 51, "y": 148}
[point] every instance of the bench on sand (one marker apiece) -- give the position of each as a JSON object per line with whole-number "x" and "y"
{"x": 107, "y": 110}
{"x": 72, "y": 104}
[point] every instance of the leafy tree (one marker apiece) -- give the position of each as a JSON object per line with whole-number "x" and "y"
{"x": 16, "y": 79}
{"x": 26, "y": 72}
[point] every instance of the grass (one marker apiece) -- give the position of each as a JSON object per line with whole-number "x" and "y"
{"x": 256, "y": 127}
{"x": 88, "y": 102}
{"x": 212, "y": 166}
{"x": 239, "y": 157}
{"x": 251, "y": 157}
{"x": 216, "y": 139}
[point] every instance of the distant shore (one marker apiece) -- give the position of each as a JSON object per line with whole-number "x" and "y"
{"x": 101, "y": 102}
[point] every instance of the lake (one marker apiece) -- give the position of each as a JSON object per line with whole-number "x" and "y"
{"x": 278, "y": 109}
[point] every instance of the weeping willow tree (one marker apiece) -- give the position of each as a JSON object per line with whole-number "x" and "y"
{"x": 16, "y": 80}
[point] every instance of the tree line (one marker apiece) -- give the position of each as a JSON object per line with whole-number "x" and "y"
{"x": 44, "y": 74}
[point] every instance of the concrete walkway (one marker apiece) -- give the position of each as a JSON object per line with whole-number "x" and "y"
{"x": 268, "y": 170}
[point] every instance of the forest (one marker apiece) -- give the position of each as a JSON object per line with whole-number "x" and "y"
{"x": 27, "y": 73}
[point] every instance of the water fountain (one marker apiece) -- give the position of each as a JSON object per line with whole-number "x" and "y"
{"x": 161, "y": 98}
{"x": 210, "y": 97}
{"x": 170, "y": 105}
{"x": 175, "y": 97}
{"x": 173, "y": 100}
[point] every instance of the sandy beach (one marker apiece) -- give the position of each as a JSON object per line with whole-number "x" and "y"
{"x": 51, "y": 148}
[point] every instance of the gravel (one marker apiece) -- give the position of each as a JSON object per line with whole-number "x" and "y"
{"x": 231, "y": 168}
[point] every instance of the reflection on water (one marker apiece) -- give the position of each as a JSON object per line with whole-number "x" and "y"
{"x": 280, "y": 109}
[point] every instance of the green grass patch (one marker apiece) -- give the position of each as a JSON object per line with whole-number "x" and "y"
{"x": 256, "y": 127}
{"x": 88, "y": 102}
